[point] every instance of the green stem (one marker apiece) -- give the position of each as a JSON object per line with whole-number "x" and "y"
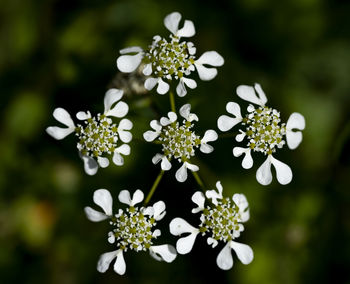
{"x": 172, "y": 101}
{"x": 154, "y": 187}
{"x": 199, "y": 181}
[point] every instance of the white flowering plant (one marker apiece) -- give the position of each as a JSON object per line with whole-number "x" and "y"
{"x": 101, "y": 137}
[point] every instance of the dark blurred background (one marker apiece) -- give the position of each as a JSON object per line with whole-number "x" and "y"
{"x": 62, "y": 53}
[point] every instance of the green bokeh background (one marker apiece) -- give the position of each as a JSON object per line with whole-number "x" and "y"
{"x": 62, "y": 53}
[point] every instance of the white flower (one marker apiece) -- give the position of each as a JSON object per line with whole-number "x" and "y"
{"x": 178, "y": 141}
{"x": 264, "y": 133}
{"x": 132, "y": 228}
{"x": 165, "y": 60}
{"x": 99, "y": 135}
{"x": 220, "y": 221}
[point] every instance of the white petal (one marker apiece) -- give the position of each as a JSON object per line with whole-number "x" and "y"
{"x": 137, "y": 197}
{"x": 150, "y": 83}
{"x": 212, "y": 242}
{"x": 248, "y": 93}
{"x": 190, "y": 83}
{"x": 240, "y": 137}
{"x": 124, "y": 197}
{"x": 156, "y": 233}
{"x": 118, "y": 159}
{"x": 159, "y": 210}
{"x": 184, "y": 245}
{"x": 191, "y": 49}
{"x": 263, "y": 174}
{"x": 213, "y": 194}
{"x": 125, "y": 136}
{"x": 106, "y": 259}
{"x": 209, "y": 135}
{"x": 103, "y": 162}
{"x": 163, "y": 252}
{"x": 296, "y": 121}
{"x": 225, "y": 122}
{"x": 150, "y": 135}
{"x": 244, "y": 252}
{"x": 119, "y": 265}
{"x": 241, "y": 201}
{"x": 125, "y": 124}
{"x": 206, "y": 148}
{"x": 111, "y": 97}
{"x": 179, "y": 226}
{"x": 93, "y": 215}
{"x": 103, "y": 198}
{"x": 187, "y": 30}
{"x": 157, "y": 158}
{"x": 181, "y": 173}
{"x": 162, "y": 87}
{"x": 185, "y": 111}
{"x": 171, "y": 22}
{"x": 205, "y": 73}
{"x": 148, "y": 211}
{"x": 61, "y": 115}
{"x": 124, "y": 149}
{"x": 192, "y": 167}
{"x": 131, "y": 49}
{"x": 224, "y": 259}
{"x": 283, "y": 172}
{"x": 234, "y": 109}
{"x": 199, "y": 199}
{"x": 164, "y": 121}
{"x": 90, "y": 165}
{"x": 261, "y": 93}
{"x": 147, "y": 70}
{"x": 156, "y": 125}
{"x": 294, "y": 138}
{"x": 59, "y": 133}
{"x": 81, "y": 115}
{"x": 247, "y": 161}
{"x": 181, "y": 89}
{"x": 129, "y": 63}
{"x": 119, "y": 110}
{"x": 111, "y": 238}
{"x": 211, "y": 58}
{"x": 165, "y": 165}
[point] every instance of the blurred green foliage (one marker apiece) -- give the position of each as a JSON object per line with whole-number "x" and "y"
{"x": 62, "y": 53}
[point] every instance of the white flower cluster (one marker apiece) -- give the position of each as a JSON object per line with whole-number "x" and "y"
{"x": 167, "y": 60}
{"x": 179, "y": 142}
{"x": 98, "y": 136}
{"x": 132, "y": 228}
{"x": 221, "y": 221}
{"x": 263, "y": 132}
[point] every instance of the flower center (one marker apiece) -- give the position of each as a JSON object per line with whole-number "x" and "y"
{"x": 179, "y": 141}
{"x": 133, "y": 229}
{"x": 99, "y": 136}
{"x": 222, "y": 221}
{"x": 170, "y": 59}
{"x": 264, "y": 130}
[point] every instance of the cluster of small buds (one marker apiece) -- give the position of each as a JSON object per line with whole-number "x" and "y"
{"x": 179, "y": 142}
{"x": 133, "y": 229}
{"x": 99, "y": 136}
{"x": 263, "y": 129}
{"x": 170, "y": 59}
{"x": 221, "y": 220}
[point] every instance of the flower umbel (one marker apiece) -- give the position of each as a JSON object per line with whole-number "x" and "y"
{"x": 171, "y": 59}
{"x": 98, "y": 136}
{"x": 264, "y": 133}
{"x": 132, "y": 228}
{"x": 221, "y": 221}
{"x": 178, "y": 141}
